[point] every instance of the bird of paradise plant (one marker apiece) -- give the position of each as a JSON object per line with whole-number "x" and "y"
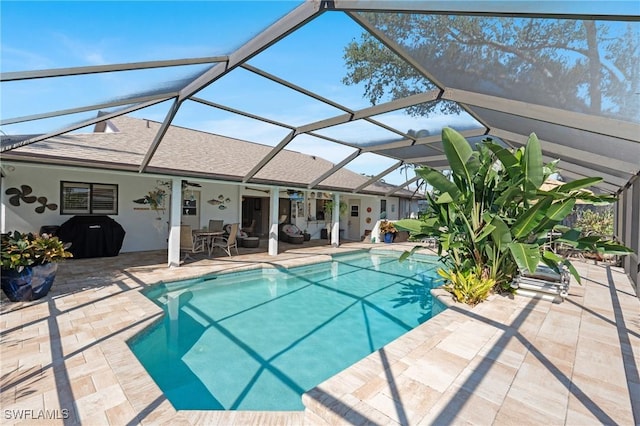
{"x": 491, "y": 216}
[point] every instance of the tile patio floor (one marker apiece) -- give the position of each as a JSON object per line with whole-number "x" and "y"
{"x": 508, "y": 361}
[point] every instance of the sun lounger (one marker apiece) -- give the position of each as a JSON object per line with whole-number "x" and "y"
{"x": 544, "y": 283}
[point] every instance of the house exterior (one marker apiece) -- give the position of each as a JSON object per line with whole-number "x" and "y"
{"x": 48, "y": 182}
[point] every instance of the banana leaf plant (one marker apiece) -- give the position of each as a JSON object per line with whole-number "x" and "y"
{"x": 490, "y": 213}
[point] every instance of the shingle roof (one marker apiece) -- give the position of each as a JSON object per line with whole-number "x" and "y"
{"x": 188, "y": 152}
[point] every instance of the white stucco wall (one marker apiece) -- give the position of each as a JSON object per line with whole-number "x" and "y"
{"x": 231, "y": 212}
{"x": 373, "y": 203}
{"x": 145, "y": 229}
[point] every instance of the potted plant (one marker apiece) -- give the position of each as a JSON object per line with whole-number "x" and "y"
{"x": 388, "y": 230}
{"x": 29, "y": 264}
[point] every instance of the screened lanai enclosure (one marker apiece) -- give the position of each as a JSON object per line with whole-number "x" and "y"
{"x": 368, "y": 85}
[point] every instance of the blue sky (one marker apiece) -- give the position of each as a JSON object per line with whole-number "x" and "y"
{"x": 47, "y": 34}
{"x": 44, "y": 35}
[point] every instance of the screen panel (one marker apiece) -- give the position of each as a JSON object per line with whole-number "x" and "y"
{"x": 576, "y": 65}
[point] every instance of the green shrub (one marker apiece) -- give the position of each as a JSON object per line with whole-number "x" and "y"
{"x": 595, "y": 223}
{"x": 469, "y": 286}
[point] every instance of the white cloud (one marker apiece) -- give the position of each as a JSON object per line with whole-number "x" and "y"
{"x": 89, "y": 53}
{"x": 21, "y": 60}
{"x": 94, "y": 58}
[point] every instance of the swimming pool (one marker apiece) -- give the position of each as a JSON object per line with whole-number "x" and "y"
{"x": 258, "y": 340}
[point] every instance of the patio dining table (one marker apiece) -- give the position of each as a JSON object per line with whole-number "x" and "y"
{"x": 208, "y": 236}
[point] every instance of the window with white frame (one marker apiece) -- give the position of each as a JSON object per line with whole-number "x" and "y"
{"x": 88, "y": 198}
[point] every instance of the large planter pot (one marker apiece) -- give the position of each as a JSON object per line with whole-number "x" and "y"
{"x": 31, "y": 283}
{"x": 388, "y": 237}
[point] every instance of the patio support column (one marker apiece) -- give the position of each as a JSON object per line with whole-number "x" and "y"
{"x": 626, "y": 236}
{"x": 2, "y": 208}
{"x": 617, "y": 223}
{"x": 241, "y": 218}
{"x": 274, "y": 212}
{"x": 631, "y": 230}
{"x": 335, "y": 220}
{"x": 634, "y": 243}
{"x": 174, "y": 224}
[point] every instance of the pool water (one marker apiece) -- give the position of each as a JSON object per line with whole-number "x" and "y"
{"x": 258, "y": 340}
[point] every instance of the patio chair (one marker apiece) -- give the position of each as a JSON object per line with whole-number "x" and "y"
{"x": 292, "y": 234}
{"x": 190, "y": 244}
{"x": 251, "y": 228}
{"x": 216, "y": 225}
{"x": 227, "y": 231}
{"x": 227, "y": 243}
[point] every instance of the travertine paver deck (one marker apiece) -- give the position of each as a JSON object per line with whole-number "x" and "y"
{"x": 507, "y": 361}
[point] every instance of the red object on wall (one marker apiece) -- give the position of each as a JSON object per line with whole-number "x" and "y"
{"x": 368, "y": 209}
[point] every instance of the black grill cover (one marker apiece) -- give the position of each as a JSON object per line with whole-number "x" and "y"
{"x": 92, "y": 236}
